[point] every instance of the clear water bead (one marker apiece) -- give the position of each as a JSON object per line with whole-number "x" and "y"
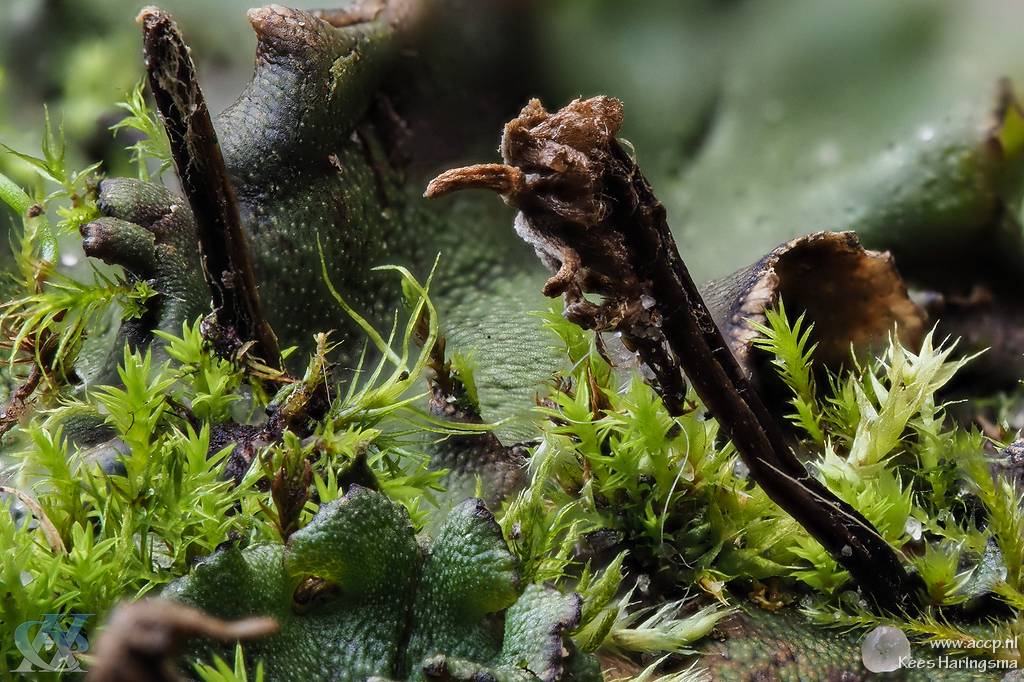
{"x": 913, "y": 528}
{"x": 884, "y": 648}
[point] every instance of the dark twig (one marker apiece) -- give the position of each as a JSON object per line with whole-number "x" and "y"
{"x": 590, "y": 214}
{"x": 18, "y": 403}
{"x": 41, "y": 353}
{"x": 204, "y": 180}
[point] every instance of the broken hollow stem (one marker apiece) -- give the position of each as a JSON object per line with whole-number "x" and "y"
{"x": 590, "y": 214}
{"x": 227, "y": 264}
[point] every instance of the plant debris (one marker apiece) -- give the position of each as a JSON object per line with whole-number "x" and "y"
{"x": 591, "y": 216}
{"x": 227, "y": 263}
{"x": 142, "y": 639}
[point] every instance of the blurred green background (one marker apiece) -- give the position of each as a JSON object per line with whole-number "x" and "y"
{"x": 82, "y": 57}
{"x": 757, "y": 121}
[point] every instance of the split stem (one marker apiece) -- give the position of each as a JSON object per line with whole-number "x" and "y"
{"x": 228, "y": 266}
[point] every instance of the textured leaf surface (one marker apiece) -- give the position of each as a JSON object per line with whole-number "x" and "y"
{"x": 364, "y": 545}
{"x": 356, "y": 597}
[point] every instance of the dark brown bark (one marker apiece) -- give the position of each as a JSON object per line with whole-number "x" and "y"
{"x": 227, "y": 263}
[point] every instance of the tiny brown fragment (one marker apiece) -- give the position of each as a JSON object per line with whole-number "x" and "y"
{"x": 290, "y": 491}
{"x": 307, "y": 403}
{"x": 472, "y": 460}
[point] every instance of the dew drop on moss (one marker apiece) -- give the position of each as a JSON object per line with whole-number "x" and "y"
{"x": 913, "y": 528}
{"x": 883, "y": 648}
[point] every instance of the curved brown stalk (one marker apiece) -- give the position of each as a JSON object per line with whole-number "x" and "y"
{"x": 592, "y": 217}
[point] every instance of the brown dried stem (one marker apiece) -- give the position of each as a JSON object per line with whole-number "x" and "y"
{"x": 592, "y": 217}
{"x": 49, "y": 530}
{"x": 204, "y": 180}
{"x": 39, "y": 350}
{"x": 142, "y": 639}
{"x": 18, "y": 403}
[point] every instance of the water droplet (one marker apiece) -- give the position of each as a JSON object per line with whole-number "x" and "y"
{"x": 740, "y": 469}
{"x": 846, "y": 550}
{"x": 926, "y": 134}
{"x": 68, "y": 260}
{"x": 913, "y": 528}
{"x": 884, "y": 649}
{"x": 643, "y": 583}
